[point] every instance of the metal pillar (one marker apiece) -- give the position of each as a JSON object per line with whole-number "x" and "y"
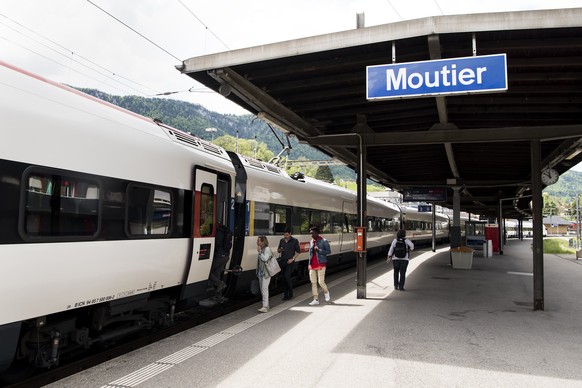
{"x": 362, "y": 215}
{"x": 456, "y": 228}
{"x": 433, "y": 227}
{"x": 537, "y": 221}
{"x": 501, "y": 227}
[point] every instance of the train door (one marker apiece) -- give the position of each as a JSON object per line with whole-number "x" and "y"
{"x": 211, "y": 205}
{"x": 347, "y": 236}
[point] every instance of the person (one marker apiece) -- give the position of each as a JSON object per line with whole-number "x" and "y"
{"x": 289, "y": 250}
{"x": 399, "y": 253}
{"x": 264, "y": 254}
{"x": 223, "y": 243}
{"x": 318, "y": 251}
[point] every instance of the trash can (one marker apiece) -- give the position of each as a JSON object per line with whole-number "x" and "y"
{"x": 462, "y": 257}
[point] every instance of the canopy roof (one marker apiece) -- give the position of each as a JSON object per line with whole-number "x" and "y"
{"x": 315, "y": 88}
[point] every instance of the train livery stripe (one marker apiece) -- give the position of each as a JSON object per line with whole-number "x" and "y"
{"x": 251, "y": 218}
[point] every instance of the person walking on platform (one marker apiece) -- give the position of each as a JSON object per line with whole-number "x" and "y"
{"x": 318, "y": 250}
{"x": 264, "y": 254}
{"x": 399, "y": 252}
{"x": 289, "y": 250}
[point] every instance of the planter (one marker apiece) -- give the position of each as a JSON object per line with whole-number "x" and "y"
{"x": 462, "y": 257}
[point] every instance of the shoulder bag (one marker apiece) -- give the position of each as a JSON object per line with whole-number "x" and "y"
{"x": 273, "y": 266}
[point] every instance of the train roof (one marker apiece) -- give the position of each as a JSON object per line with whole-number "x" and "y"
{"x": 89, "y": 135}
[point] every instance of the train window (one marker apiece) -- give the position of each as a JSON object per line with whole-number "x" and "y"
{"x": 57, "y": 205}
{"x": 206, "y": 210}
{"x": 149, "y": 211}
{"x": 325, "y": 222}
{"x": 282, "y": 218}
{"x": 264, "y": 218}
{"x": 336, "y": 223}
{"x": 304, "y": 216}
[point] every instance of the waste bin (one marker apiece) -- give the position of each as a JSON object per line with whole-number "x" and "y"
{"x": 462, "y": 257}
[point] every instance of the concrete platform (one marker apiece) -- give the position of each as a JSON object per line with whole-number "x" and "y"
{"x": 451, "y": 328}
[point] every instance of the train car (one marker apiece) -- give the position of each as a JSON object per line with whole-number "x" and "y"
{"x": 109, "y": 219}
{"x": 419, "y": 226}
{"x": 103, "y": 215}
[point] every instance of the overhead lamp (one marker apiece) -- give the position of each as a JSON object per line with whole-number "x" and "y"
{"x": 275, "y": 122}
{"x": 573, "y": 154}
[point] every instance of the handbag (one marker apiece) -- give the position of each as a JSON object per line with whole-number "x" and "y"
{"x": 255, "y": 289}
{"x": 273, "y": 266}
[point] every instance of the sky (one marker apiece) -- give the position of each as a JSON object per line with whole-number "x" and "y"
{"x": 132, "y": 46}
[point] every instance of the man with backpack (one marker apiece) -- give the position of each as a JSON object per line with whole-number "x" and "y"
{"x": 223, "y": 244}
{"x": 399, "y": 254}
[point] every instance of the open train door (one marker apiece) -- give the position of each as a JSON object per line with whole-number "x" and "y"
{"x": 204, "y": 219}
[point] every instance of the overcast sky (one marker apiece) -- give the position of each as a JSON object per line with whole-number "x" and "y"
{"x": 80, "y": 42}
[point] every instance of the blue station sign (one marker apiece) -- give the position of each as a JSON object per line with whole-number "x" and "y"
{"x": 479, "y": 74}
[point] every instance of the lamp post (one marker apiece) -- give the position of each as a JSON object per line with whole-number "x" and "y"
{"x": 211, "y": 130}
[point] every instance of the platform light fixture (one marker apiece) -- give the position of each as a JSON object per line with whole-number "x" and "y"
{"x": 212, "y": 131}
{"x": 574, "y": 154}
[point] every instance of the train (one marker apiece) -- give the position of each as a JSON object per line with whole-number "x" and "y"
{"x": 108, "y": 220}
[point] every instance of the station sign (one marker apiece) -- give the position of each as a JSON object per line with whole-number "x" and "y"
{"x": 425, "y": 194}
{"x": 478, "y": 74}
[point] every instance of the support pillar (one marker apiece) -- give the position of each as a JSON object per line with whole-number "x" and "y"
{"x": 456, "y": 228}
{"x": 538, "y": 238}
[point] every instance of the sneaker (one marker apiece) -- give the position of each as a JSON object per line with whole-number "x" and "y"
{"x": 314, "y": 302}
{"x": 264, "y": 310}
{"x": 327, "y": 297}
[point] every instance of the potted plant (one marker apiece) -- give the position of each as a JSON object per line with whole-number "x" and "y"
{"x": 462, "y": 257}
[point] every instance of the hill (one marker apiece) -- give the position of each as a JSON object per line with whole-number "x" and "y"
{"x": 195, "y": 119}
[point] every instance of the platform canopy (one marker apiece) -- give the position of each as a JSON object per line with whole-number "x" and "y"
{"x": 315, "y": 88}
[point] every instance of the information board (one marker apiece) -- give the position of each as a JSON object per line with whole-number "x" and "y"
{"x": 425, "y": 194}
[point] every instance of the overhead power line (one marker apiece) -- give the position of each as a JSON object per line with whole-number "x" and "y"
{"x": 108, "y": 73}
{"x": 205, "y": 26}
{"x": 134, "y": 30}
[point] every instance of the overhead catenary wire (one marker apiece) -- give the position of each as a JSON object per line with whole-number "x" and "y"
{"x": 108, "y": 73}
{"x": 72, "y": 55}
{"x": 134, "y": 30}
{"x": 205, "y": 26}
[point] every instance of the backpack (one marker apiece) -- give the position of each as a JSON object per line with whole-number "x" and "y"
{"x": 400, "y": 249}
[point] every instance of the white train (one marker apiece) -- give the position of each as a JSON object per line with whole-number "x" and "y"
{"x": 108, "y": 219}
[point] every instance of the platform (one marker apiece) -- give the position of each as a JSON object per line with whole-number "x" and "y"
{"x": 450, "y": 328}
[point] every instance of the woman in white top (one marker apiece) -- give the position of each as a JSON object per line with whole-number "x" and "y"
{"x": 264, "y": 254}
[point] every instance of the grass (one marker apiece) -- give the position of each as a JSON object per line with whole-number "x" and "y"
{"x": 558, "y": 245}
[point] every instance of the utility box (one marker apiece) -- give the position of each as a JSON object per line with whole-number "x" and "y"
{"x": 492, "y": 233}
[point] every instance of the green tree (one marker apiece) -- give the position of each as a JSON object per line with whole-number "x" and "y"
{"x": 246, "y": 147}
{"x": 324, "y": 173}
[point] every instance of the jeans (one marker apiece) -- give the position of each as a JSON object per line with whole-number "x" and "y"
{"x": 317, "y": 276}
{"x": 264, "y": 285}
{"x": 286, "y": 270}
{"x": 400, "y": 267}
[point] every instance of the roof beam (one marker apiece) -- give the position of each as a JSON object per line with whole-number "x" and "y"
{"x": 481, "y": 135}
